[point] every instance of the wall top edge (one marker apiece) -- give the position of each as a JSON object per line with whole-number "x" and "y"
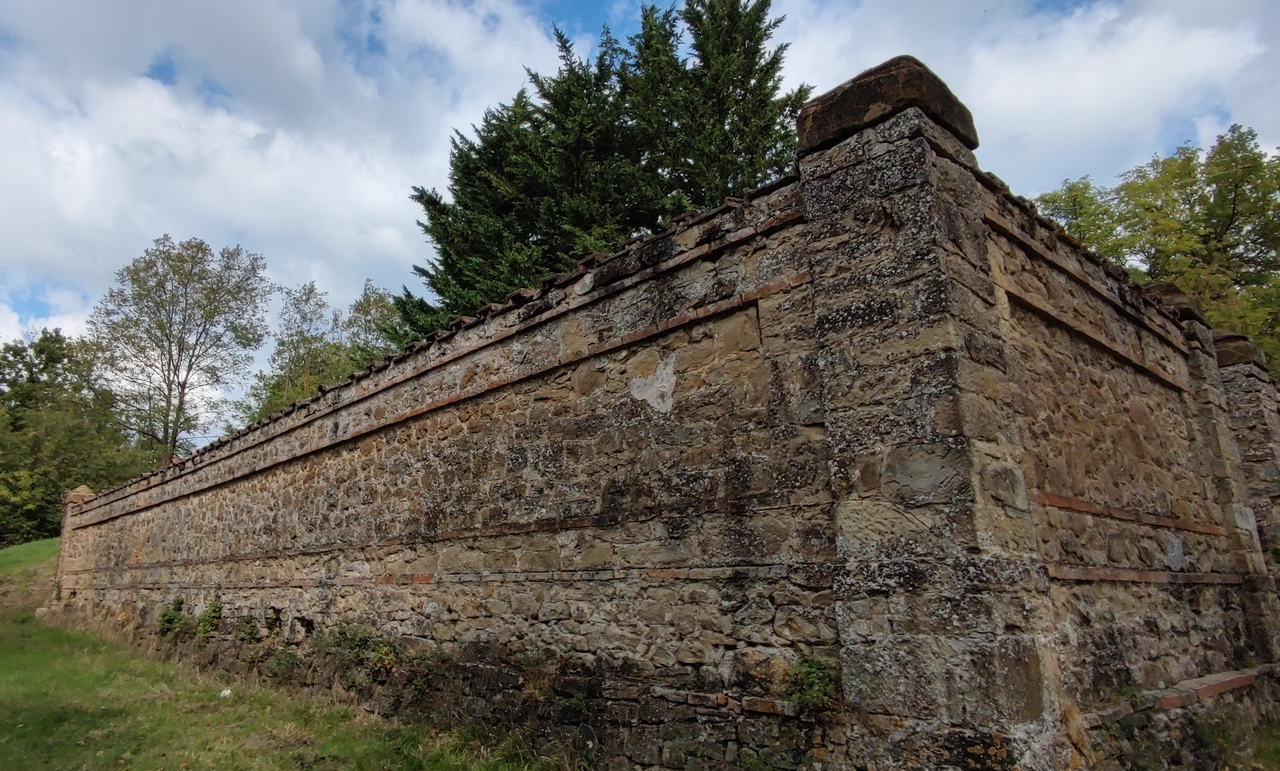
{"x": 599, "y": 270}
{"x": 894, "y": 87}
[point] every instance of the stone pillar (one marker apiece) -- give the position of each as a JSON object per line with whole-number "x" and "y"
{"x": 71, "y": 503}
{"x": 938, "y": 551}
{"x": 1251, "y": 413}
{"x": 1239, "y": 427}
{"x": 1255, "y": 423}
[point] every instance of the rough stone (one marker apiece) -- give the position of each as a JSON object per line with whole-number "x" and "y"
{"x": 871, "y": 469}
{"x": 879, "y": 93}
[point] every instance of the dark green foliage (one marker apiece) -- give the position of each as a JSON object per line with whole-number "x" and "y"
{"x": 174, "y": 622}
{"x": 743, "y": 131}
{"x": 209, "y": 619}
{"x": 283, "y": 664}
{"x": 604, "y": 150}
{"x": 246, "y": 629}
{"x": 814, "y": 684}
{"x": 59, "y": 429}
{"x": 359, "y": 652}
{"x": 1207, "y": 221}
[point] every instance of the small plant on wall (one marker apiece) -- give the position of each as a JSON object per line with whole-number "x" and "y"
{"x": 174, "y": 623}
{"x": 814, "y": 684}
{"x": 209, "y": 619}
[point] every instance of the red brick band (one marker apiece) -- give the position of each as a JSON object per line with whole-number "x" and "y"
{"x": 1155, "y": 520}
{"x": 495, "y": 577}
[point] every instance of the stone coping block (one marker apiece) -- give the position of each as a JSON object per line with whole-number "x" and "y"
{"x": 1175, "y": 302}
{"x": 1182, "y": 694}
{"x": 1232, "y": 349}
{"x": 873, "y": 96}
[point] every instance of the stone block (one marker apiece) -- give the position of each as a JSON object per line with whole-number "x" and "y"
{"x": 877, "y": 94}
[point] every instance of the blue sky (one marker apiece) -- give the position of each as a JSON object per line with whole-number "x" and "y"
{"x": 297, "y": 127}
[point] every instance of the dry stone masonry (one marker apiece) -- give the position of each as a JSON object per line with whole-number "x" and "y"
{"x": 872, "y": 469}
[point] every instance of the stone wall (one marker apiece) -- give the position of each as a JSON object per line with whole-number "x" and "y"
{"x": 878, "y": 424}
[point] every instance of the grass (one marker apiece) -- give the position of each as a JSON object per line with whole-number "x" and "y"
{"x": 17, "y": 562}
{"x": 72, "y": 701}
{"x": 1269, "y": 746}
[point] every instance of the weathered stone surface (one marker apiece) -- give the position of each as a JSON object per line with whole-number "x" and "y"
{"x": 877, "y": 432}
{"x": 1170, "y": 297}
{"x": 1233, "y": 349}
{"x": 877, "y": 94}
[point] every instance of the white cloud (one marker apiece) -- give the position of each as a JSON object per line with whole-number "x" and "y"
{"x": 295, "y": 130}
{"x": 1093, "y": 89}
{"x": 1099, "y": 89}
{"x": 10, "y": 324}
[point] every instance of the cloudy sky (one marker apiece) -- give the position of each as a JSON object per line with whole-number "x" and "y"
{"x": 296, "y": 129}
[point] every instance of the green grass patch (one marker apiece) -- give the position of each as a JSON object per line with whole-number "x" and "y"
{"x": 40, "y": 556}
{"x": 73, "y": 701}
{"x": 1269, "y": 746}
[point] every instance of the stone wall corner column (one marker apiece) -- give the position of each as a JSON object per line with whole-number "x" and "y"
{"x": 1253, "y": 412}
{"x": 931, "y": 506}
{"x": 71, "y": 504}
{"x": 1231, "y": 389}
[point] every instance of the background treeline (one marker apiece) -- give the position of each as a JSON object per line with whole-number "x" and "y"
{"x": 59, "y": 429}
{"x": 1209, "y": 221}
{"x": 147, "y": 383}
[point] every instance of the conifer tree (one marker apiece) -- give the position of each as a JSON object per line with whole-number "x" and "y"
{"x": 604, "y": 150}
{"x": 743, "y": 130}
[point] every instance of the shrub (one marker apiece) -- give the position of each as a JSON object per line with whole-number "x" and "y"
{"x": 282, "y": 664}
{"x": 173, "y": 622}
{"x": 361, "y": 651}
{"x": 246, "y": 629}
{"x": 814, "y": 684}
{"x": 209, "y": 619}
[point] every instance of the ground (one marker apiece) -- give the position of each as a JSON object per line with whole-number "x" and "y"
{"x": 72, "y": 701}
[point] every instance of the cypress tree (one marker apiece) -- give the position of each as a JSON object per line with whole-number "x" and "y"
{"x": 742, "y": 130}
{"x": 604, "y": 150}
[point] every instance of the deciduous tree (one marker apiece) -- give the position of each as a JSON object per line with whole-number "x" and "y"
{"x": 316, "y": 345}
{"x": 1207, "y": 221}
{"x": 176, "y": 329}
{"x": 58, "y": 430}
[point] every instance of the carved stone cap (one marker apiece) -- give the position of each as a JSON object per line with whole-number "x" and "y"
{"x": 1233, "y": 348}
{"x": 1175, "y": 301}
{"x": 80, "y": 494}
{"x": 877, "y": 94}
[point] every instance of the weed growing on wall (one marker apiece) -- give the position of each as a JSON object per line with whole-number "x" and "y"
{"x": 283, "y": 664}
{"x": 814, "y": 684}
{"x": 246, "y": 629}
{"x": 209, "y": 619}
{"x": 174, "y": 623}
{"x": 359, "y": 653}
